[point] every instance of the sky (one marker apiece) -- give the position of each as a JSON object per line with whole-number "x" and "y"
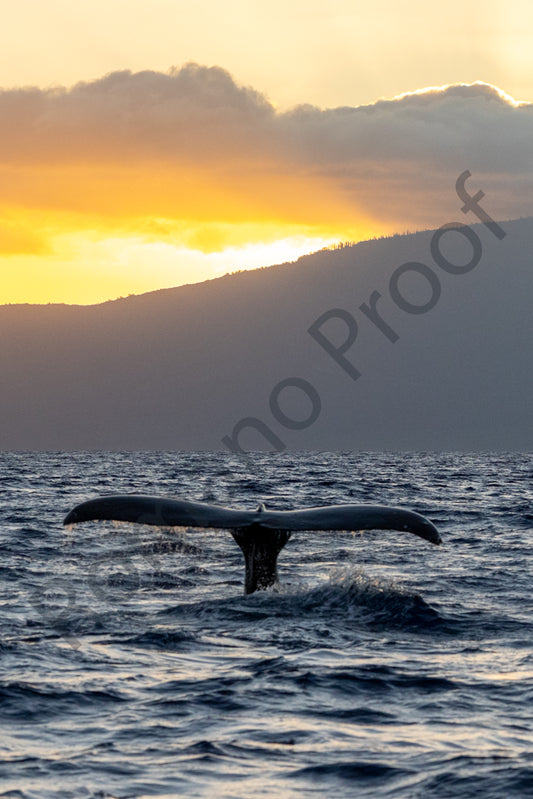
{"x": 145, "y": 145}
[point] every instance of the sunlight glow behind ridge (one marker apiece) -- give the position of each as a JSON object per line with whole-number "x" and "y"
{"x": 84, "y": 272}
{"x": 138, "y": 181}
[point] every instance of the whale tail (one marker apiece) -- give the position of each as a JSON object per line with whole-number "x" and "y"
{"x": 261, "y": 534}
{"x": 260, "y": 548}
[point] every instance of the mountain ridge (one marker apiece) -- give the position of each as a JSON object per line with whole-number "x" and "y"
{"x": 180, "y": 368}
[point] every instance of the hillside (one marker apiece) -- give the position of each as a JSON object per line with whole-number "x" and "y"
{"x": 447, "y": 367}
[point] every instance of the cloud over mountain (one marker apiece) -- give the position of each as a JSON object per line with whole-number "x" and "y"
{"x": 191, "y": 146}
{"x": 201, "y": 111}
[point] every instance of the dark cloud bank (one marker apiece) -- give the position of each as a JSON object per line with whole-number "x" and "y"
{"x": 159, "y": 114}
{"x": 380, "y": 157}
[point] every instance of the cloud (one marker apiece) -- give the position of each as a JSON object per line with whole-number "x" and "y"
{"x": 430, "y": 126}
{"x": 126, "y": 116}
{"x": 20, "y": 239}
{"x": 192, "y": 148}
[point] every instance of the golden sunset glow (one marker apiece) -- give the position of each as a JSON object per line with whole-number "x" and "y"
{"x": 120, "y": 173}
{"x": 131, "y": 231}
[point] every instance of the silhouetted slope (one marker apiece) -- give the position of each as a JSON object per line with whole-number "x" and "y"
{"x": 179, "y": 368}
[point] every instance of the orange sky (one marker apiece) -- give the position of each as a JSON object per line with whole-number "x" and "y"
{"x": 119, "y": 174}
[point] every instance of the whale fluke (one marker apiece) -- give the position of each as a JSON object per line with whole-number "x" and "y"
{"x": 261, "y": 534}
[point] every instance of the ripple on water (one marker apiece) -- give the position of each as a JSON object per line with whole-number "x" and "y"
{"x": 131, "y": 664}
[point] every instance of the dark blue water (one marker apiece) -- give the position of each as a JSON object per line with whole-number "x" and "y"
{"x": 131, "y": 663}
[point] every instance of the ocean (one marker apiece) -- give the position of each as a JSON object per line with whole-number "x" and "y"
{"x": 132, "y": 664}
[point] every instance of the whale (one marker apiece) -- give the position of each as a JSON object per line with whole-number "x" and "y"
{"x": 261, "y": 534}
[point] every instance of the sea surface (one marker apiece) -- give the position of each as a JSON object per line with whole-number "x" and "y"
{"x": 132, "y": 664}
